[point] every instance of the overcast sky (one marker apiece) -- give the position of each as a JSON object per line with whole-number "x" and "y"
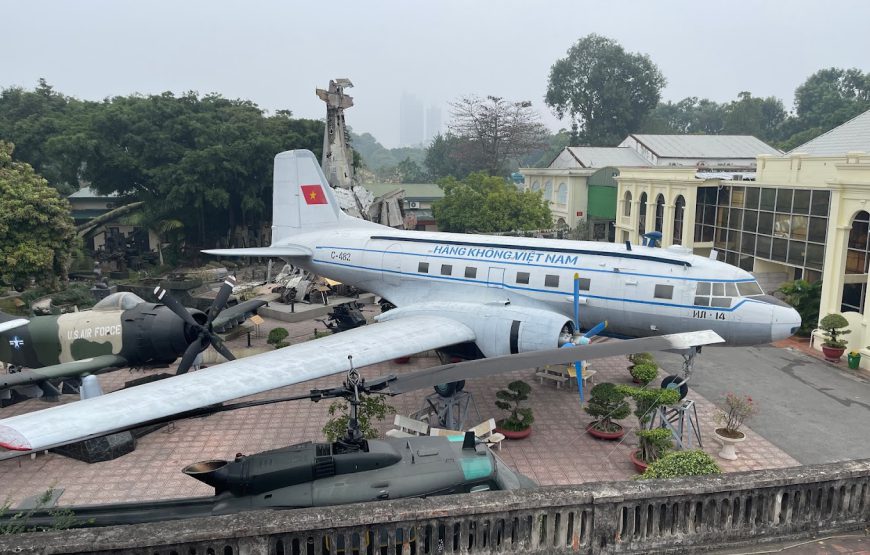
{"x": 276, "y": 53}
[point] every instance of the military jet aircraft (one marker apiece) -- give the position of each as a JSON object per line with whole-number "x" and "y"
{"x": 499, "y": 295}
{"x": 121, "y": 330}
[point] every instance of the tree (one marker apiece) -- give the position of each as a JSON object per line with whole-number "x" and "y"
{"x": 35, "y": 224}
{"x": 411, "y": 172}
{"x": 488, "y": 204}
{"x": 496, "y": 130}
{"x": 686, "y": 117}
{"x": 759, "y": 117}
{"x": 605, "y": 90}
{"x": 450, "y": 156}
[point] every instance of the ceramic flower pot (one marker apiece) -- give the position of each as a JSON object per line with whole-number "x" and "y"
{"x": 512, "y": 434}
{"x": 833, "y": 354}
{"x": 639, "y": 464}
{"x": 599, "y": 434}
{"x": 728, "y": 451}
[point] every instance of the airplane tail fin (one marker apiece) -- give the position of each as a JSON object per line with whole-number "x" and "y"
{"x": 301, "y": 198}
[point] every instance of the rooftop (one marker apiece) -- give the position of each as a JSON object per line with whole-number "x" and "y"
{"x": 705, "y": 146}
{"x": 854, "y": 135}
{"x": 597, "y": 157}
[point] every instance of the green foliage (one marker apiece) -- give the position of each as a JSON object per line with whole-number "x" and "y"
{"x": 488, "y": 204}
{"x": 19, "y": 521}
{"x": 833, "y": 326}
{"x": 639, "y": 358}
{"x": 35, "y": 224}
{"x": 646, "y": 401}
{"x": 277, "y": 337}
{"x": 605, "y": 90}
{"x": 411, "y": 172}
{"x": 644, "y": 372}
{"x": 682, "y": 463}
{"x": 376, "y": 157}
{"x": 805, "y": 297}
{"x": 372, "y": 408}
{"x": 654, "y": 443}
{"x": 738, "y": 408}
{"x": 520, "y": 418}
{"x": 606, "y": 404}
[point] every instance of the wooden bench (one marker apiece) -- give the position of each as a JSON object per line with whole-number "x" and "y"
{"x": 444, "y": 432}
{"x": 407, "y": 427}
{"x": 485, "y": 431}
{"x": 555, "y": 374}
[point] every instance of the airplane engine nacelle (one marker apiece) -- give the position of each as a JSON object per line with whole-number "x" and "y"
{"x": 500, "y": 329}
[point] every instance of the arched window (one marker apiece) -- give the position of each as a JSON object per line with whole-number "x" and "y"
{"x": 626, "y": 209}
{"x": 679, "y": 209}
{"x": 857, "y": 261}
{"x": 536, "y": 186}
{"x": 660, "y": 212}
{"x": 548, "y": 190}
{"x": 641, "y": 215}
{"x": 562, "y": 193}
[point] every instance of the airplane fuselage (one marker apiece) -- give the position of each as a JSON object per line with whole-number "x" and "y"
{"x": 640, "y": 292}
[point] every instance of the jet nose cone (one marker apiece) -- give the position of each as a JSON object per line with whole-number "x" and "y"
{"x": 786, "y": 322}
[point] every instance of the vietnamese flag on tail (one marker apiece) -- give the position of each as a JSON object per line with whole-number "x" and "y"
{"x": 313, "y": 194}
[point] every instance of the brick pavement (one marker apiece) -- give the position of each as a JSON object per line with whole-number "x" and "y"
{"x": 558, "y": 451}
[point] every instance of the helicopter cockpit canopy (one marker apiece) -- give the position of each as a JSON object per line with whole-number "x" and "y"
{"x": 119, "y": 301}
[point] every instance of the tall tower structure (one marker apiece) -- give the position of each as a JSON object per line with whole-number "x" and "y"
{"x": 433, "y": 123}
{"x": 410, "y": 120}
{"x": 337, "y": 160}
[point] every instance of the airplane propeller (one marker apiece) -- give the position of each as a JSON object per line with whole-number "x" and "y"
{"x": 205, "y": 336}
{"x": 584, "y": 339}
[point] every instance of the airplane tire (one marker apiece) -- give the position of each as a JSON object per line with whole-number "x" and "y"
{"x": 449, "y": 389}
{"x": 684, "y": 388}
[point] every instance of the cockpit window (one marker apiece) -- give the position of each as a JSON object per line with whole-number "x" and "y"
{"x": 719, "y": 295}
{"x": 749, "y": 288}
{"x": 119, "y": 301}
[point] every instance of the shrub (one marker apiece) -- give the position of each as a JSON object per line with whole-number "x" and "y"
{"x": 682, "y": 463}
{"x": 644, "y": 372}
{"x": 654, "y": 443}
{"x": 371, "y": 408}
{"x": 520, "y": 418}
{"x": 639, "y": 358}
{"x": 277, "y": 337}
{"x": 833, "y": 326}
{"x": 805, "y": 297}
{"x": 606, "y": 404}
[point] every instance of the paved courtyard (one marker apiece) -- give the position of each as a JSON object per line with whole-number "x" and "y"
{"x": 558, "y": 451}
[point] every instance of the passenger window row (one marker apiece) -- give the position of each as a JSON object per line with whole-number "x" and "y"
{"x": 522, "y": 278}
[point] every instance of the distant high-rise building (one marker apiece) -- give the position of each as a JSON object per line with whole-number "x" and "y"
{"x": 433, "y": 123}
{"x": 410, "y": 121}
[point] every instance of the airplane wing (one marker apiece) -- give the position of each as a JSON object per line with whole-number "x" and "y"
{"x": 65, "y": 369}
{"x": 238, "y": 378}
{"x": 238, "y": 313}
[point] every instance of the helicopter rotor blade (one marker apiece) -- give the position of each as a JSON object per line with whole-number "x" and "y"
{"x": 221, "y": 299}
{"x": 167, "y": 299}
{"x": 508, "y": 363}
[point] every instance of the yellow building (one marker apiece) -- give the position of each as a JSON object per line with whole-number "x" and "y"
{"x": 806, "y": 215}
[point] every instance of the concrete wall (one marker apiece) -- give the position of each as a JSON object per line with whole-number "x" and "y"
{"x": 682, "y": 515}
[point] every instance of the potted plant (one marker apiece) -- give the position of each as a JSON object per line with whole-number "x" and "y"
{"x": 682, "y": 463}
{"x": 854, "y": 360}
{"x": 652, "y": 443}
{"x": 639, "y": 358}
{"x": 518, "y": 423}
{"x": 644, "y": 372}
{"x": 277, "y": 337}
{"x": 737, "y": 410}
{"x": 606, "y": 404}
{"x": 833, "y": 326}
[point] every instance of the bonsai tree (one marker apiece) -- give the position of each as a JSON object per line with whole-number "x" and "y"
{"x": 646, "y": 403}
{"x": 277, "y": 337}
{"x": 833, "y": 326}
{"x": 606, "y": 404}
{"x": 520, "y": 418}
{"x": 682, "y": 463}
{"x": 644, "y": 372}
{"x": 737, "y": 410}
{"x": 372, "y": 408}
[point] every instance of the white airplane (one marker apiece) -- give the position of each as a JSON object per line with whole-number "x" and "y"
{"x": 505, "y": 296}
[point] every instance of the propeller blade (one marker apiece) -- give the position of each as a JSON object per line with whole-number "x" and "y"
{"x": 164, "y": 297}
{"x": 189, "y": 356}
{"x": 508, "y": 363}
{"x": 219, "y": 346}
{"x": 596, "y": 330}
{"x": 221, "y": 299}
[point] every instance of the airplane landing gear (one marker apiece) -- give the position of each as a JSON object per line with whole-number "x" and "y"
{"x": 681, "y": 383}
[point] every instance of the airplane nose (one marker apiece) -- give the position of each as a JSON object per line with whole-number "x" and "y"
{"x": 786, "y": 322}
